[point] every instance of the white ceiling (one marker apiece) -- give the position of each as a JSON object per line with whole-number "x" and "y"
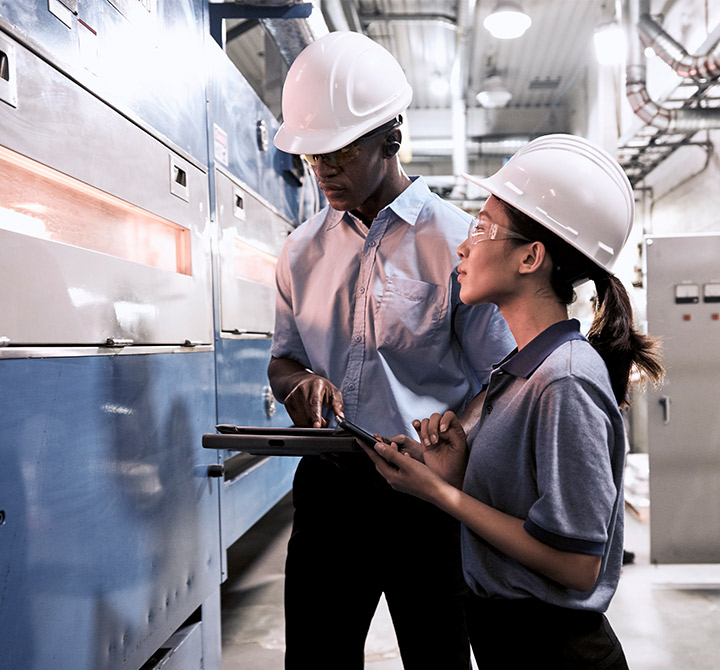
{"x": 546, "y": 70}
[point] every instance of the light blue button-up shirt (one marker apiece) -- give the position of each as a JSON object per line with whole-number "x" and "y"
{"x": 376, "y": 311}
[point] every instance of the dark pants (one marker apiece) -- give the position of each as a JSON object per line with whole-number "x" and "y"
{"x": 353, "y": 539}
{"x": 528, "y": 633}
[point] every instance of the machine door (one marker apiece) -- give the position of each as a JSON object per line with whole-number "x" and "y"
{"x": 683, "y": 293}
{"x": 252, "y": 234}
{"x": 104, "y": 229}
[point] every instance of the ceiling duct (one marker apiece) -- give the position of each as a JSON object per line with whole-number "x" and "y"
{"x": 706, "y": 66}
{"x": 641, "y": 26}
{"x": 497, "y": 147}
{"x": 292, "y": 35}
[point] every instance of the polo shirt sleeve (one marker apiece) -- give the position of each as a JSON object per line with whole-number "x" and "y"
{"x": 286, "y": 341}
{"x": 483, "y": 334}
{"x": 576, "y": 489}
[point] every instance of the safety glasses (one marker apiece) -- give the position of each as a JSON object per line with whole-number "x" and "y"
{"x": 482, "y": 230}
{"x": 336, "y": 159}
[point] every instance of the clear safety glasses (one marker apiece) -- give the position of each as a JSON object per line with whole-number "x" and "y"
{"x": 336, "y": 159}
{"x": 482, "y": 230}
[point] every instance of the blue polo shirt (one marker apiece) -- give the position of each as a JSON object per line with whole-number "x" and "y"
{"x": 550, "y": 449}
{"x": 377, "y": 311}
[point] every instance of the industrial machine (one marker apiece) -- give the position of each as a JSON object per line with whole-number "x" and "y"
{"x": 683, "y": 309}
{"x": 142, "y": 208}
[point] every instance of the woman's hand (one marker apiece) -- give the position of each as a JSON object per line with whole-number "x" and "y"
{"x": 406, "y": 445}
{"x": 403, "y": 472}
{"x": 444, "y": 446}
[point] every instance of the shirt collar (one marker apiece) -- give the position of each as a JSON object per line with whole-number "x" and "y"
{"x": 407, "y": 206}
{"x": 524, "y": 362}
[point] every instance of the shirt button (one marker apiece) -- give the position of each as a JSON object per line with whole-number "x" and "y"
{"x": 372, "y": 244}
{"x": 358, "y": 338}
{"x": 488, "y": 409}
{"x": 362, "y": 289}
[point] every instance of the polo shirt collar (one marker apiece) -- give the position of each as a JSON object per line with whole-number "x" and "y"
{"x": 407, "y": 206}
{"x": 524, "y": 362}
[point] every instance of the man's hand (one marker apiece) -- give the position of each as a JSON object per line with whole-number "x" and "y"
{"x": 305, "y": 402}
{"x": 303, "y": 393}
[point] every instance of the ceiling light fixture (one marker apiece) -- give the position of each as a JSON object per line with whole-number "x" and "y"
{"x": 507, "y": 21}
{"x": 610, "y": 45}
{"x": 494, "y": 93}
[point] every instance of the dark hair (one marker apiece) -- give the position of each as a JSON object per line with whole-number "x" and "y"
{"x": 612, "y": 332}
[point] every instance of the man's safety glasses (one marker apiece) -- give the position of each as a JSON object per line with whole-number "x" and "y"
{"x": 482, "y": 230}
{"x": 336, "y": 159}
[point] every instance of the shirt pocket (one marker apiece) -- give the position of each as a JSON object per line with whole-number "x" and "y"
{"x": 410, "y": 314}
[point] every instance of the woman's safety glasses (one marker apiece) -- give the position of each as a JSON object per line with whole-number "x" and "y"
{"x": 482, "y": 230}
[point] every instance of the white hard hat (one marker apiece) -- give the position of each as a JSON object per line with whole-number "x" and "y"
{"x": 572, "y": 187}
{"x": 340, "y": 87}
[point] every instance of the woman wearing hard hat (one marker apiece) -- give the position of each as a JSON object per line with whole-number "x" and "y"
{"x": 537, "y": 483}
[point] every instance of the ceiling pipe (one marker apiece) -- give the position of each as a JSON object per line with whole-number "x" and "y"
{"x": 705, "y": 66}
{"x": 501, "y": 147}
{"x": 457, "y": 92}
{"x": 687, "y": 120}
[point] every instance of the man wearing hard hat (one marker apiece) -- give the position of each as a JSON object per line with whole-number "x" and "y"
{"x": 369, "y": 326}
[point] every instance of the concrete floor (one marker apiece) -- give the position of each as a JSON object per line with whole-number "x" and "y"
{"x": 667, "y": 617}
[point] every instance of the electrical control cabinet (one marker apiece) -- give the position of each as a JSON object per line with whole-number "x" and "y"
{"x": 683, "y": 285}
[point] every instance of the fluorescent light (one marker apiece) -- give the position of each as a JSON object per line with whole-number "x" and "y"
{"x": 610, "y": 46}
{"x": 507, "y": 21}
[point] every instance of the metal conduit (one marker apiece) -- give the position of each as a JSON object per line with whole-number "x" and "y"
{"x": 457, "y": 92}
{"x": 639, "y": 26}
{"x": 705, "y": 66}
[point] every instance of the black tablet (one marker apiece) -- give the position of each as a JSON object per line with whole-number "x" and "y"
{"x": 273, "y": 441}
{"x": 362, "y": 434}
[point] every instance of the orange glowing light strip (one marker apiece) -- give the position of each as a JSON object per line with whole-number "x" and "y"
{"x": 254, "y": 264}
{"x": 41, "y": 202}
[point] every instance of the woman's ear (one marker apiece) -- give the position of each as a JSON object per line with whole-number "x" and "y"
{"x": 533, "y": 257}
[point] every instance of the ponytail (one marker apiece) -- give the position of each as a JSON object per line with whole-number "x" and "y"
{"x": 615, "y": 338}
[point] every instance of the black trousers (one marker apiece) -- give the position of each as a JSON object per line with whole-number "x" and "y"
{"x": 528, "y": 633}
{"x": 354, "y": 539}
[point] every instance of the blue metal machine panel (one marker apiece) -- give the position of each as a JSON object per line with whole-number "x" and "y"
{"x": 109, "y": 536}
{"x": 145, "y": 58}
{"x": 239, "y": 126}
{"x": 109, "y": 523}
